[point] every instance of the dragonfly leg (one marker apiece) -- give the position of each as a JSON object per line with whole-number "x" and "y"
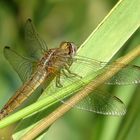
{"x": 65, "y": 73}
{"x": 71, "y": 73}
{"x": 58, "y": 83}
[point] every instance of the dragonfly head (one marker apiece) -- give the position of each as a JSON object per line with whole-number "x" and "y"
{"x": 69, "y": 48}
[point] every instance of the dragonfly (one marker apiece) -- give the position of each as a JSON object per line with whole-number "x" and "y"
{"x": 45, "y": 65}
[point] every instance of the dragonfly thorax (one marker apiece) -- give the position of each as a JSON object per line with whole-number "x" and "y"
{"x": 58, "y": 58}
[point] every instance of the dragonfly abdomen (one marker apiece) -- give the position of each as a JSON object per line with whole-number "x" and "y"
{"x": 23, "y": 93}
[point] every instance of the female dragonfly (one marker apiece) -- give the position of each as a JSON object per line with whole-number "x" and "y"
{"x": 55, "y": 63}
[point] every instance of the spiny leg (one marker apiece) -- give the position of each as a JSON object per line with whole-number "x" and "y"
{"x": 65, "y": 73}
{"x": 58, "y": 83}
{"x": 71, "y": 73}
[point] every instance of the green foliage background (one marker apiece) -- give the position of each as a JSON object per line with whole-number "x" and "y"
{"x": 58, "y": 20}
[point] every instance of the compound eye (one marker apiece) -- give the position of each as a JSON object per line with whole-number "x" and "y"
{"x": 73, "y": 49}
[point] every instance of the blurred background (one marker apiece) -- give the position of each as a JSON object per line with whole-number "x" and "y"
{"x": 56, "y": 21}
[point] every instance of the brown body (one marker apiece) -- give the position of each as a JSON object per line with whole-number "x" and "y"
{"x": 49, "y": 65}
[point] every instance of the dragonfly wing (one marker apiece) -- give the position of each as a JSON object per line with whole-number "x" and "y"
{"x": 93, "y": 64}
{"x": 130, "y": 74}
{"x": 35, "y": 44}
{"x": 23, "y": 66}
{"x": 98, "y": 101}
{"x": 102, "y": 103}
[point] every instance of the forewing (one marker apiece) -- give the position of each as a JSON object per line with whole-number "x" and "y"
{"x": 35, "y": 44}
{"x": 89, "y": 63}
{"x": 130, "y": 74}
{"x": 23, "y": 66}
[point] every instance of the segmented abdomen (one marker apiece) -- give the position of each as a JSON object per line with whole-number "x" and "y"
{"x": 23, "y": 93}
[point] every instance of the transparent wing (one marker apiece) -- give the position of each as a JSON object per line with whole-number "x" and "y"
{"x": 93, "y": 64}
{"x": 98, "y": 102}
{"x": 23, "y": 66}
{"x": 129, "y": 74}
{"x": 101, "y": 103}
{"x": 35, "y": 44}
